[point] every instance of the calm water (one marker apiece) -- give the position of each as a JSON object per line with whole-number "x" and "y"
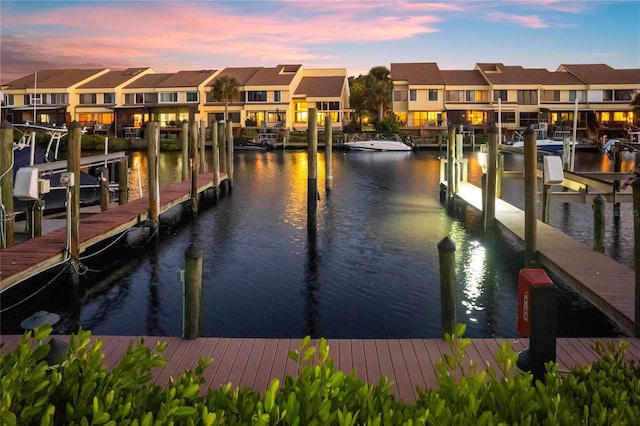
{"x": 371, "y": 270}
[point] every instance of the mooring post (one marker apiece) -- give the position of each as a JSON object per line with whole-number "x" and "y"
{"x": 192, "y": 290}
{"x": 328, "y": 150}
{"x": 123, "y": 181}
{"x": 447, "y": 257}
{"x": 230, "y": 155}
{"x": 153, "y": 143}
{"x": 500, "y": 175}
{"x": 543, "y": 328}
{"x": 73, "y": 166}
{"x": 636, "y": 251}
{"x": 193, "y": 145}
{"x": 6, "y": 181}
{"x": 222, "y": 141}
{"x": 451, "y": 168}
{"x": 530, "y": 197}
{"x": 203, "y": 137}
{"x": 546, "y": 203}
{"x": 599, "y": 210}
{"x": 492, "y": 157}
{"x": 312, "y": 166}
{"x": 38, "y": 219}
{"x": 184, "y": 135}
{"x": 104, "y": 189}
{"x": 215, "y": 159}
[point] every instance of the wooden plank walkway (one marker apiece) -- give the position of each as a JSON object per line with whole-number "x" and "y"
{"x": 408, "y": 363}
{"x": 607, "y": 284}
{"x": 33, "y": 256}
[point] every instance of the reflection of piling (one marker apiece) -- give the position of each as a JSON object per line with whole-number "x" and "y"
{"x": 530, "y": 196}
{"x": 193, "y": 166}
{"x": 73, "y": 166}
{"x": 153, "y": 136}
{"x": 599, "y": 209}
{"x": 447, "y": 255}
{"x": 617, "y": 168}
{"x": 215, "y": 159}
{"x": 184, "y": 134}
{"x": 328, "y": 148}
{"x": 229, "y": 155}
{"x": 192, "y": 290}
{"x": 6, "y": 181}
{"x": 312, "y": 161}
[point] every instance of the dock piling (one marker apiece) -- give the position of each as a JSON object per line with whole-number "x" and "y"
{"x": 215, "y": 159}
{"x": 123, "y": 181}
{"x": 73, "y": 167}
{"x": 153, "y": 144}
{"x": 312, "y": 166}
{"x": 490, "y": 203}
{"x": 636, "y": 251}
{"x": 530, "y": 197}
{"x": 222, "y": 142}
{"x": 6, "y": 182}
{"x": 447, "y": 258}
{"x": 192, "y": 290}
{"x": 229, "y": 155}
{"x": 184, "y": 135}
{"x": 599, "y": 209}
{"x": 328, "y": 149}
{"x": 451, "y": 168}
{"x": 203, "y": 137}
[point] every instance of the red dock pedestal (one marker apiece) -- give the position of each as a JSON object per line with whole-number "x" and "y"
{"x": 528, "y": 278}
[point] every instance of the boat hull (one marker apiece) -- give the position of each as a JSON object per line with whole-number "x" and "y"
{"x": 376, "y": 145}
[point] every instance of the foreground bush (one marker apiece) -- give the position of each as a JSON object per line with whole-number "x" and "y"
{"x": 80, "y": 390}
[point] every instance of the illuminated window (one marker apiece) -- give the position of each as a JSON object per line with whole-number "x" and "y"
{"x": 105, "y": 118}
{"x": 402, "y": 117}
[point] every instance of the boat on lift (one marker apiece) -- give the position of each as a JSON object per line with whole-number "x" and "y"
{"x": 380, "y": 143}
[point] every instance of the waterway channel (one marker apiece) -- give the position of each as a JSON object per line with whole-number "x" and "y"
{"x": 370, "y": 272}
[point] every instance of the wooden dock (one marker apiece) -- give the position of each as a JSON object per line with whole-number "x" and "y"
{"x": 36, "y": 255}
{"x": 408, "y": 363}
{"x": 607, "y": 284}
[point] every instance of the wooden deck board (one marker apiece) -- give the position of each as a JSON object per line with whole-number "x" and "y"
{"x": 585, "y": 270}
{"x": 408, "y": 363}
{"x": 33, "y": 256}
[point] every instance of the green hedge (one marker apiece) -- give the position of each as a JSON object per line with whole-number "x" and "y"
{"x": 81, "y": 391}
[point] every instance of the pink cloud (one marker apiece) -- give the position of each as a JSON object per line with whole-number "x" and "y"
{"x": 529, "y": 21}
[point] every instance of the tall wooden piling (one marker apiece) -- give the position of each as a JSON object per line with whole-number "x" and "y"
{"x": 312, "y": 167}
{"x": 6, "y": 181}
{"x": 499, "y": 175}
{"x": 73, "y": 166}
{"x": 153, "y": 150}
{"x": 492, "y": 157}
{"x": 229, "y": 154}
{"x": 215, "y": 158}
{"x": 123, "y": 181}
{"x": 222, "y": 142}
{"x": 599, "y": 210}
{"x": 193, "y": 166}
{"x": 203, "y": 137}
{"x": 184, "y": 135}
{"x": 104, "y": 189}
{"x": 447, "y": 260}
{"x": 451, "y": 168}
{"x": 617, "y": 168}
{"x": 636, "y": 251}
{"x": 530, "y": 197}
{"x": 192, "y": 290}
{"x": 193, "y": 145}
{"x": 328, "y": 152}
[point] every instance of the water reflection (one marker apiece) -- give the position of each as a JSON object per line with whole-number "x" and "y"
{"x": 369, "y": 270}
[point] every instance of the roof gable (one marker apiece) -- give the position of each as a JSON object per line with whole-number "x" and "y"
{"x": 321, "y": 87}
{"x": 417, "y": 73}
{"x": 113, "y": 79}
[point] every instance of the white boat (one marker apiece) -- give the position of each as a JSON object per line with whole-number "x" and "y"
{"x": 545, "y": 144}
{"x": 379, "y": 143}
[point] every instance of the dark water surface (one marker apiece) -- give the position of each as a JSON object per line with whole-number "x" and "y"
{"x": 370, "y": 272}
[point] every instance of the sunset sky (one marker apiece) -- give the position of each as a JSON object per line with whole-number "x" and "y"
{"x": 190, "y": 35}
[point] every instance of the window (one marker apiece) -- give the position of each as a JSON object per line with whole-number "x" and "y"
{"x": 623, "y": 95}
{"x": 527, "y": 97}
{"x": 193, "y": 97}
{"x": 88, "y": 98}
{"x": 576, "y": 94}
{"x": 257, "y": 96}
{"x": 550, "y": 96}
{"x": 109, "y": 98}
{"x": 32, "y": 99}
{"x": 277, "y": 96}
{"x": 169, "y": 97}
{"x": 454, "y": 95}
{"x": 433, "y": 95}
{"x": 500, "y": 95}
{"x": 413, "y": 95}
{"x": 8, "y": 100}
{"x": 276, "y": 117}
{"x": 400, "y": 96}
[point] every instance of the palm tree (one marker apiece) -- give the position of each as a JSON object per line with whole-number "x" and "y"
{"x": 225, "y": 89}
{"x": 380, "y": 87}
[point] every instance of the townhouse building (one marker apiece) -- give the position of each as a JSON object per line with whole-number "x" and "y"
{"x": 426, "y": 98}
